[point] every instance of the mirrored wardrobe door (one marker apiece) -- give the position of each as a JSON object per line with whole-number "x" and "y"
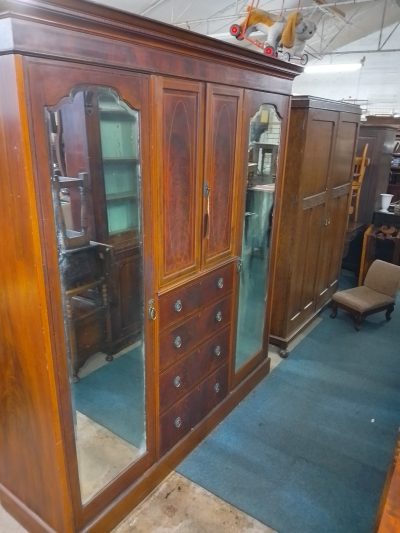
{"x": 94, "y": 139}
{"x": 262, "y": 165}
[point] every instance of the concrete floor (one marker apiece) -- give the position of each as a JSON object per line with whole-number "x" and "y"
{"x": 179, "y": 505}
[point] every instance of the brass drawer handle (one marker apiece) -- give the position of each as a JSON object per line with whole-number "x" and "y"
{"x": 218, "y": 316}
{"x": 217, "y": 387}
{"x": 177, "y": 381}
{"x": 178, "y": 306}
{"x": 220, "y": 283}
{"x": 178, "y": 341}
{"x": 178, "y": 422}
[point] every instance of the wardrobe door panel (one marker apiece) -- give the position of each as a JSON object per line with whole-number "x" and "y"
{"x": 332, "y": 244}
{"x": 264, "y": 125}
{"x": 347, "y": 134}
{"x": 305, "y": 264}
{"x": 222, "y": 165}
{"x": 178, "y": 120}
{"x": 319, "y": 147}
{"x": 107, "y": 405}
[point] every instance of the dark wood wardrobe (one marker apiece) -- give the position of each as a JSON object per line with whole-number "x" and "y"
{"x": 314, "y": 212}
{"x": 139, "y": 164}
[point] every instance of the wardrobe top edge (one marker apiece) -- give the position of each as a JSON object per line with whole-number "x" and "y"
{"x": 316, "y": 102}
{"x": 90, "y": 18}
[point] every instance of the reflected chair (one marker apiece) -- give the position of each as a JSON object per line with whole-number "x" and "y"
{"x": 377, "y": 294}
{"x": 360, "y": 166}
{"x": 85, "y": 267}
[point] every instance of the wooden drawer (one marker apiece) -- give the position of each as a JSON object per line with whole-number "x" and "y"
{"x": 216, "y": 284}
{"x": 191, "y": 409}
{"x": 175, "y": 305}
{"x": 179, "y": 379}
{"x": 180, "y": 302}
{"x": 180, "y": 340}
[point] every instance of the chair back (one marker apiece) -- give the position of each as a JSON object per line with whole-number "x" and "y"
{"x": 383, "y": 277}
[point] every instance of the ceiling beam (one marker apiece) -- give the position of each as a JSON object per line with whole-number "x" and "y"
{"x": 389, "y": 36}
{"x": 386, "y": 50}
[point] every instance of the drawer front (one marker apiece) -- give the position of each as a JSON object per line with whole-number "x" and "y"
{"x": 175, "y": 305}
{"x": 180, "y": 340}
{"x": 217, "y": 284}
{"x": 216, "y": 316}
{"x": 179, "y": 379}
{"x": 191, "y": 409}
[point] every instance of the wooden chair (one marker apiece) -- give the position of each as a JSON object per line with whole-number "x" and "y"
{"x": 360, "y": 166}
{"x": 377, "y": 294}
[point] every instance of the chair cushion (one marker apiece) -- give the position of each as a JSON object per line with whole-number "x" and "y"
{"x": 362, "y": 299}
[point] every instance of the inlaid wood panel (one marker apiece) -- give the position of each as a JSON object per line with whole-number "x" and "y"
{"x": 179, "y": 123}
{"x": 222, "y": 166}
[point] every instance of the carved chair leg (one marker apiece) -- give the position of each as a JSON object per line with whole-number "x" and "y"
{"x": 334, "y": 310}
{"x": 389, "y": 311}
{"x": 358, "y": 318}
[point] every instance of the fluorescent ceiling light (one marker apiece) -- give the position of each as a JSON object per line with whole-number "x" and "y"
{"x": 327, "y": 69}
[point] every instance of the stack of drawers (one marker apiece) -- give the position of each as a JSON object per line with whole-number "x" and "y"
{"x": 194, "y": 346}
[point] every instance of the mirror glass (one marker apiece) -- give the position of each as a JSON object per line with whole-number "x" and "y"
{"x": 264, "y": 139}
{"x": 95, "y": 176}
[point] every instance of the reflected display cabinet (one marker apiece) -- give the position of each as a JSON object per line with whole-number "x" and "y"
{"x": 141, "y": 170}
{"x": 315, "y": 201}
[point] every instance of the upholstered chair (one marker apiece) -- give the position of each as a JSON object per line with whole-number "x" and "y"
{"x": 377, "y": 294}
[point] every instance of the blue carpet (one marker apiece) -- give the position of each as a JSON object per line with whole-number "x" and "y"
{"x": 308, "y": 450}
{"x": 113, "y": 396}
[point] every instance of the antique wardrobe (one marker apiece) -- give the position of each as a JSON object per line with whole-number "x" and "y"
{"x": 138, "y": 169}
{"x": 315, "y": 204}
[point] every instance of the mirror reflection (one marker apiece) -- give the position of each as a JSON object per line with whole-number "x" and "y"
{"x": 264, "y": 139}
{"x": 94, "y": 145}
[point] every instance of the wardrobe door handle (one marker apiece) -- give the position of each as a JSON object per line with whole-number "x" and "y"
{"x": 207, "y": 193}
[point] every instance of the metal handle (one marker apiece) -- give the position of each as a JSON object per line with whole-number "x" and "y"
{"x": 207, "y": 192}
{"x": 178, "y": 306}
{"x": 178, "y": 341}
{"x": 177, "y": 381}
{"x": 217, "y": 387}
{"x": 152, "y": 313}
{"x": 178, "y": 422}
{"x": 220, "y": 283}
{"x": 217, "y": 350}
{"x": 218, "y": 316}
